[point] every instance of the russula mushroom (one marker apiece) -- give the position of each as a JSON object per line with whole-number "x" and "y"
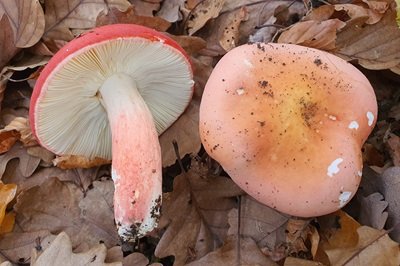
{"x": 287, "y": 123}
{"x": 109, "y": 93}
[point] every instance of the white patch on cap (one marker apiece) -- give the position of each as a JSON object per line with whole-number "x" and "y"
{"x": 115, "y": 177}
{"x": 353, "y": 125}
{"x": 371, "y": 118}
{"x": 240, "y": 91}
{"x": 332, "y": 117}
{"x": 343, "y": 198}
{"x": 247, "y": 63}
{"x": 333, "y": 168}
{"x": 359, "y": 173}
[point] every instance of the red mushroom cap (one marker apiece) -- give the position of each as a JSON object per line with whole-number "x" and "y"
{"x": 287, "y": 123}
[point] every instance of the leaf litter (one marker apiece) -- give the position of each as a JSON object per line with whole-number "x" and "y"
{"x": 61, "y": 213}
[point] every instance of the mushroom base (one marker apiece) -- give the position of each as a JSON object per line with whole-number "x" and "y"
{"x": 136, "y": 158}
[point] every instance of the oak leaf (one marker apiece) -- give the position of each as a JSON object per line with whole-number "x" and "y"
{"x": 60, "y": 253}
{"x": 202, "y": 13}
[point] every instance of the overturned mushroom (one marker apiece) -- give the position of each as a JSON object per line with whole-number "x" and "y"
{"x": 287, "y": 123}
{"x": 111, "y": 91}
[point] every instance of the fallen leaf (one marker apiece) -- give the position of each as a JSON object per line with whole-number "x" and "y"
{"x": 389, "y": 187}
{"x": 76, "y": 161}
{"x": 61, "y": 16}
{"x": 374, "y": 247}
{"x": 171, "y": 10}
{"x": 8, "y": 223}
{"x": 21, "y": 126}
{"x": 7, "y": 46}
{"x": 130, "y": 16}
{"x": 195, "y": 214}
{"x": 320, "y": 35}
{"x": 373, "y": 46}
{"x": 146, "y": 8}
{"x": 61, "y": 206}
{"x": 27, "y": 21}
{"x": 259, "y": 222}
{"x": 202, "y": 13}
{"x": 137, "y": 259}
{"x": 356, "y": 11}
{"x": 398, "y": 12}
{"x": 290, "y": 261}
{"x": 373, "y": 210}
{"x": 393, "y": 147}
{"x": 8, "y": 139}
{"x": 60, "y": 253}
{"x": 231, "y": 254}
{"x": 17, "y": 246}
{"x": 7, "y": 194}
{"x": 27, "y": 164}
{"x": 191, "y": 44}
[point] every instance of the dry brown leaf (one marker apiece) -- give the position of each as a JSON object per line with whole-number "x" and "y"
{"x": 195, "y": 215}
{"x": 137, "y": 259}
{"x": 61, "y": 16}
{"x": 338, "y": 230}
{"x": 27, "y": 21}
{"x": 7, "y": 46}
{"x": 389, "y": 187}
{"x": 372, "y": 211}
{"x": 356, "y": 11}
{"x": 290, "y": 261}
{"x": 61, "y": 206}
{"x": 259, "y": 222}
{"x": 250, "y": 254}
{"x": 393, "y": 147}
{"x": 27, "y": 164}
{"x": 373, "y": 46}
{"x": 76, "y": 161}
{"x": 21, "y": 126}
{"x": 146, "y": 8}
{"x": 171, "y": 10}
{"x": 230, "y": 31}
{"x": 191, "y": 44}
{"x": 7, "y": 194}
{"x": 373, "y": 248}
{"x": 130, "y": 16}
{"x": 8, "y": 223}
{"x": 319, "y": 35}
{"x": 8, "y": 139}
{"x": 202, "y": 13}
{"x": 17, "y": 247}
{"x": 60, "y": 253}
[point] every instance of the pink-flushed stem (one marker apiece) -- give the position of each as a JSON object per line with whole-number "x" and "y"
{"x": 136, "y": 158}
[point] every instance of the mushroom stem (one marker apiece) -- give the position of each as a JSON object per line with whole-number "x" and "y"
{"x": 136, "y": 158}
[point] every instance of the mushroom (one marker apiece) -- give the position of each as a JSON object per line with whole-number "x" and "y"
{"x": 287, "y": 123}
{"x": 112, "y": 91}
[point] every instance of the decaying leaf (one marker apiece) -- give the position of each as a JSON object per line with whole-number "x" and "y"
{"x": 20, "y": 125}
{"x": 60, "y": 253}
{"x": 17, "y": 247}
{"x": 389, "y": 187}
{"x": 146, "y": 8}
{"x": 7, "y": 194}
{"x": 393, "y": 146}
{"x": 195, "y": 215}
{"x": 320, "y": 35}
{"x": 7, "y": 46}
{"x": 202, "y": 13}
{"x": 61, "y": 16}
{"x": 8, "y": 223}
{"x": 171, "y": 10}
{"x": 374, "y": 247}
{"x": 373, "y": 46}
{"x": 27, "y": 164}
{"x": 259, "y": 222}
{"x": 373, "y": 211}
{"x": 8, "y": 139}
{"x": 290, "y": 261}
{"x": 191, "y": 44}
{"x": 60, "y": 206}
{"x": 76, "y": 161}
{"x": 130, "y": 16}
{"x": 231, "y": 254}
